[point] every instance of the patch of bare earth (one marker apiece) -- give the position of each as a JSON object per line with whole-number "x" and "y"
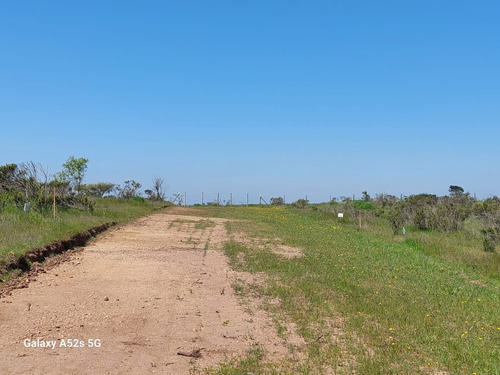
{"x": 157, "y": 295}
{"x": 276, "y": 245}
{"x": 475, "y": 282}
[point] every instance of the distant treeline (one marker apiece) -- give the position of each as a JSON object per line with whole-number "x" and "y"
{"x": 32, "y": 183}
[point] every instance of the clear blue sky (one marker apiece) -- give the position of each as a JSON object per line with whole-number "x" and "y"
{"x": 313, "y": 98}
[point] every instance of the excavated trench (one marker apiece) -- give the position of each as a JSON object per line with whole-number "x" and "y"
{"x": 33, "y": 259}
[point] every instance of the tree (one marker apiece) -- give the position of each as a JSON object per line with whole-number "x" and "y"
{"x": 130, "y": 189}
{"x": 456, "y": 190}
{"x": 35, "y": 183}
{"x": 366, "y": 197}
{"x": 158, "y": 189}
{"x": 9, "y": 174}
{"x": 98, "y": 190}
{"x": 150, "y": 194}
{"x": 10, "y": 185}
{"x": 73, "y": 172}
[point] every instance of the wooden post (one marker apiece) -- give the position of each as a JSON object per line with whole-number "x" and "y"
{"x": 359, "y": 218}
{"x": 54, "y": 208}
{"x": 185, "y": 200}
{"x": 231, "y": 199}
{"x": 217, "y": 199}
{"x": 202, "y": 198}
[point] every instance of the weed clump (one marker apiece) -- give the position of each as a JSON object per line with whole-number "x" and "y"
{"x": 490, "y": 239}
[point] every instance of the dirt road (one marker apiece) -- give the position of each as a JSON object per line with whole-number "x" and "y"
{"x": 130, "y": 302}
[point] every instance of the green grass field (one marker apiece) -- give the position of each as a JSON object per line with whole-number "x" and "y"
{"x": 369, "y": 302}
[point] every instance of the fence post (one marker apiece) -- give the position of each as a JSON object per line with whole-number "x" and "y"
{"x": 54, "y": 208}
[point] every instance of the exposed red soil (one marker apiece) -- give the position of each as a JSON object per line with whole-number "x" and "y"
{"x": 40, "y": 254}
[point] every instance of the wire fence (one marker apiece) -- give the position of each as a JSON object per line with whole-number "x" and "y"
{"x": 245, "y": 199}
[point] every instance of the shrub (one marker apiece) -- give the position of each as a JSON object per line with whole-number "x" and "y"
{"x": 277, "y": 201}
{"x": 300, "y": 203}
{"x": 490, "y": 239}
{"x": 364, "y": 205}
{"x": 397, "y": 218}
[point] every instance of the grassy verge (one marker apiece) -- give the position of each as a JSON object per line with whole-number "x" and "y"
{"x": 20, "y": 232}
{"x": 369, "y": 302}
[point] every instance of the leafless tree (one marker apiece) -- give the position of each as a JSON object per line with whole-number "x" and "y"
{"x": 35, "y": 181}
{"x": 159, "y": 188}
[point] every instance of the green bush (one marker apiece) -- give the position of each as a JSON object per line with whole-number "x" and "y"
{"x": 364, "y": 205}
